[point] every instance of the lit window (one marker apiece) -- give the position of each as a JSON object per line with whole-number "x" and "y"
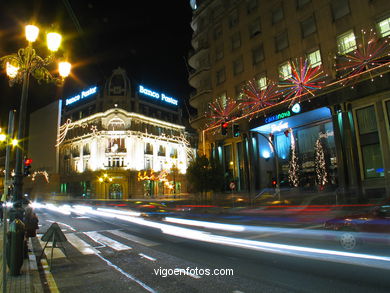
{"x": 346, "y": 42}
{"x": 285, "y": 71}
{"x": 314, "y": 58}
{"x": 262, "y": 83}
{"x": 384, "y": 27}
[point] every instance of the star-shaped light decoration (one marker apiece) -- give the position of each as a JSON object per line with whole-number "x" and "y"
{"x": 370, "y": 53}
{"x": 305, "y": 80}
{"x": 256, "y": 99}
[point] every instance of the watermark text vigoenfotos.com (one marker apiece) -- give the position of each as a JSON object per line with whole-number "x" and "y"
{"x": 192, "y": 272}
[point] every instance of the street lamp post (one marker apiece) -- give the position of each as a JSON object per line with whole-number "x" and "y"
{"x": 19, "y": 67}
{"x": 105, "y": 179}
{"x": 277, "y": 187}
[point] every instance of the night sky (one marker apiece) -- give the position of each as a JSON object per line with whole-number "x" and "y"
{"x": 150, "y": 39}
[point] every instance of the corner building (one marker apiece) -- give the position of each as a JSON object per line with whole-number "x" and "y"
{"x": 235, "y": 42}
{"x": 116, "y": 142}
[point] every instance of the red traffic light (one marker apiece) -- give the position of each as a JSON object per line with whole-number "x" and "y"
{"x": 27, "y": 162}
{"x": 225, "y": 125}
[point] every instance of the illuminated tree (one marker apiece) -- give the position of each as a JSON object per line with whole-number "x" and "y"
{"x": 320, "y": 165}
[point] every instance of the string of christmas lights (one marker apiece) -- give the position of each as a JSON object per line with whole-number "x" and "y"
{"x": 221, "y": 110}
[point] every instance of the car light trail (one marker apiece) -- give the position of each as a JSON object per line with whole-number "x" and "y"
{"x": 375, "y": 261}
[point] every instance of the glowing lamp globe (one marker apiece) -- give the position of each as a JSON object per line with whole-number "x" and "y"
{"x": 64, "y": 68}
{"x": 12, "y": 71}
{"x": 53, "y": 41}
{"x": 31, "y": 33}
{"x": 3, "y": 137}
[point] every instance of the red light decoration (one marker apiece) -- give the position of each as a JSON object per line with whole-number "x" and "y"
{"x": 221, "y": 110}
{"x": 305, "y": 80}
{"x": 257, "y": 99}
{"x": 371, "y": 52}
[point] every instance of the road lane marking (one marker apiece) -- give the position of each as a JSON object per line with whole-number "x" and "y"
{"x": 131, "y": 277}
{"x": 147, "y": 257}
{"x": 95, "y": 236}
{"x": 133, "y": 238}
{"x": 80, "y": 245}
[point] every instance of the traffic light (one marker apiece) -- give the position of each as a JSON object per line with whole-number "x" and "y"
{"x": 224, "y": 127}
{"x": 273, "y": 183}
{"x": 236, "y": 130}
{"x": 27, "y": 167}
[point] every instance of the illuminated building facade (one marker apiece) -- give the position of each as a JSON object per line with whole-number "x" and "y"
{"x": 255, "y": 62}
{"x": 113, "y": 141}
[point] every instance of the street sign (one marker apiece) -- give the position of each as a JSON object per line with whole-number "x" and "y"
{"x": 232, "y": 185}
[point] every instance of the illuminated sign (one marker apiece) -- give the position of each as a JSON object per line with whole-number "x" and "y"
{"x": 81, "y": 96}
{"x": 278, "y": 116}
{"x": 158, "y": 96}
{"x": 295, "y": 109}
{"x": 281, "y": 126}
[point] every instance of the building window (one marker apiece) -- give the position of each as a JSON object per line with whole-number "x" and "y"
{"x": 219, "y": 53}
{"x": 346, "y": 42}
{"x": 301, "y": 3}
{"x": 308, "y": 26}
{"x": 221, "y": 76}
{"x": 257, "y": 55}
{"x": 340, "y": 8}
{"x": 384, "y": 27}
{"x": 314, "y": 58}
{"x": 262, "y": 82}
{"x": 369, "y": 142}
{"x": 217, "y": 32}
{"x": 285, "y": 71}
{"x": 236, "y": 41}
{"x": 233, "y": 19}
{"x": 281, "y": 42}
{"x": 148, "y": 164}
{"x": 238, "y": 66}
{"x": 251, "y": 5}
{"x": 148, "y": 148}
{"x": 254, "y": 28}
{"x": 277, "y": 15}
{"x": 161, "y": 151}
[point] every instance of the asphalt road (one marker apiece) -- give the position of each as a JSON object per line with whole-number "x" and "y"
{"x": 109, "y": 255}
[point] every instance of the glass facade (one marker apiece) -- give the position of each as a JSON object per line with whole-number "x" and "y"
{"x": 370, "y": 148}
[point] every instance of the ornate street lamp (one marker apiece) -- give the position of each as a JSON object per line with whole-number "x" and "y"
{"x": 105, "y": 179}
{"x": 19, "y": 66}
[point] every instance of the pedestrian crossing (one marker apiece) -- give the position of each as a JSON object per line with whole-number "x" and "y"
{"x": 89, "y": 243}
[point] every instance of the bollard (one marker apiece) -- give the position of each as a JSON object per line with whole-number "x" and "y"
{"x": 15, "y": 247}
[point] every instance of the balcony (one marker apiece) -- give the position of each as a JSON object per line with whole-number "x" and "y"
{"x": 198, "y": 97}
{"x": 116, "y": 150}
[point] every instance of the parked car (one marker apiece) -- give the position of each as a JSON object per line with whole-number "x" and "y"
{"x": 372, "y": 226}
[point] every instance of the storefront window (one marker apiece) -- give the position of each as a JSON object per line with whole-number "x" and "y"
{"x": 369, "y": 143}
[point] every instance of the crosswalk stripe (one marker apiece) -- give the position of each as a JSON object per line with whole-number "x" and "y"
{"x": 133, "y": 238}
{"x": 106, "y": 241}
{"x": 79, "y": 244}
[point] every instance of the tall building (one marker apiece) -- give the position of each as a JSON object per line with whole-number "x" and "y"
{"x": 306, "y": 84}
{"x": 117, "y": 140}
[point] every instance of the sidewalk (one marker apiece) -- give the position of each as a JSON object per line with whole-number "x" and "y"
{"x": 29, "y": 280}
